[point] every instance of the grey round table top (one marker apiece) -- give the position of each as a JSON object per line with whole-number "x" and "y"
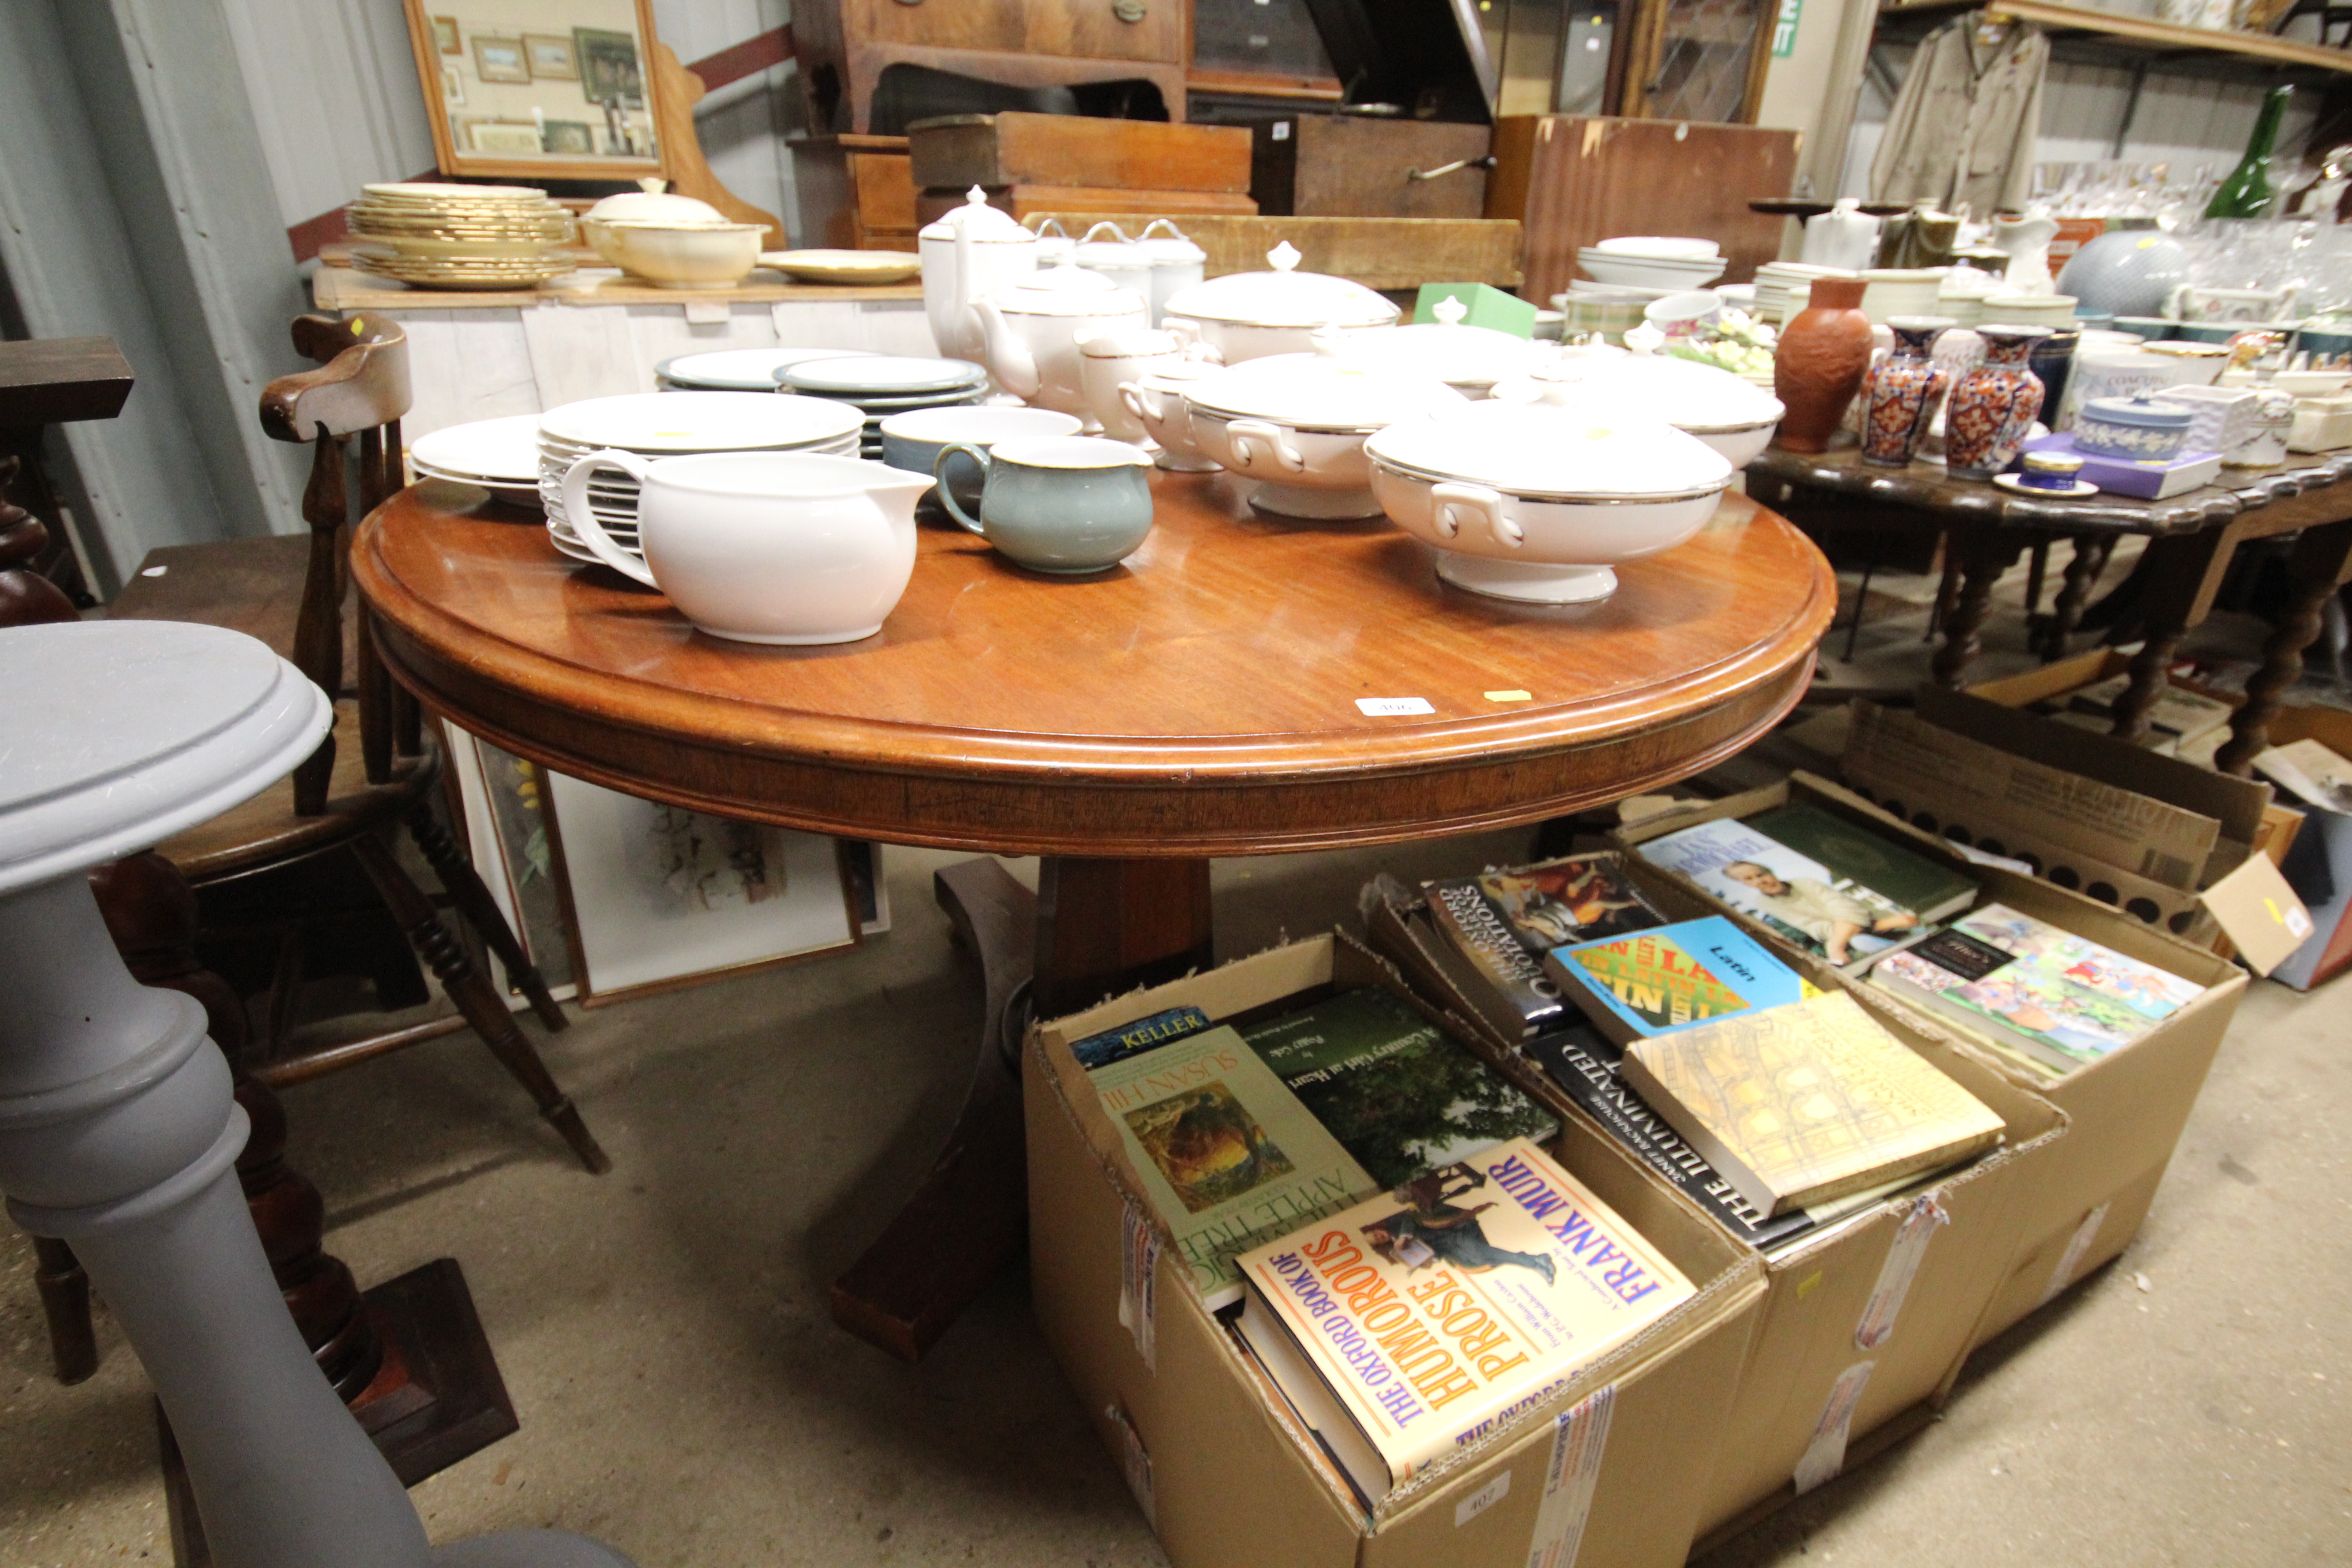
{"x": 117, "y": 734}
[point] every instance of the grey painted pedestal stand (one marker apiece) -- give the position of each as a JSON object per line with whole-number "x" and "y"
{"x": 118, "y": 1132}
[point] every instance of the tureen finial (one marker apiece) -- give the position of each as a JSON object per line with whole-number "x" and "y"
{"x": 653, "y": 184}
{"x": 1450, "y": 310}
{"x": 1645, "y": 339}
{"x": 1283, "y": 256}
{"x": 975, "y": 197}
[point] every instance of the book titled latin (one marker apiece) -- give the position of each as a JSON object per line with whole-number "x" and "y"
{"x": 1397, "y": 1092}
{"x": 1498, "y": 926}
{"x": 1227, "y": 1155}
{"x": 1416, "y": 1323}
{"x": 2062, "y": 999}
{"x": 1806, "y": 1103}
{"x": 1675, "y": 978}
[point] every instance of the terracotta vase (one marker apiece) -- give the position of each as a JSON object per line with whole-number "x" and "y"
{"x": 1819, "y": 366}
{"x": 1902, "y": 390}
{"x": 1992, "y": 406}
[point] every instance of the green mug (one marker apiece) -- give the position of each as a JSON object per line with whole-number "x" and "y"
{"x": 1063, "y": 504}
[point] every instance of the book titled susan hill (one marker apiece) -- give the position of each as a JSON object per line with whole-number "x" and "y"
{"x": 1414, "y": 1324}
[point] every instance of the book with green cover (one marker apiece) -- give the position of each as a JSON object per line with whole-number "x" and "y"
{"x": 1227, "y": 1154}
{"x": 1675, "y": 978}
{"x": 1397, "y": 1092}
{"x": 1800, "y": 1105}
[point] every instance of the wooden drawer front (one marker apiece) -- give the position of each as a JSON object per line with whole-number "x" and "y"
{"x": 884, "y": 190}
{"x": 941, "y": 23}
{"x": 1015, "y": 149}
{"x": 1331, "y": 165}
{"x": 1089, "y": 29}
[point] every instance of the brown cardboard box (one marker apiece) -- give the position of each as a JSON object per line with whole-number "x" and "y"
{"x": 1812, "y": 1388}
{"x": 2328, "y": 951}
{"x": 2126, "y": 1111}
{"x": 1230, "y": 1481}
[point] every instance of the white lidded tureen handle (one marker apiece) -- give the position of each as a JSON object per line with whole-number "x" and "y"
{"x": 1283, "y": 256}
{"x": 1452, "y": 497}
{"x": 1329, "y": 341}
{"x": 1244, "y": 435}
{"x": 1450, "y": 311}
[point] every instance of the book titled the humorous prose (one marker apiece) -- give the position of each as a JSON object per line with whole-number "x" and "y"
{"x": 1418, "y": 1323}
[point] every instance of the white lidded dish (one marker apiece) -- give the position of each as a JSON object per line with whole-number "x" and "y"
{"x": 1469, "y": 359}
{"x": 648, "y": 203}
{"x": 1297, "y": 424}
{"x": 1538, "y": 501}
{"x": 1251, "y": 315}
{"x": 1730, "y": 414}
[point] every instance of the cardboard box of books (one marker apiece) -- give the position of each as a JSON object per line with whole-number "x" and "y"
{"x": 1873, "y": 1292}
{"x": 1407, "y": 1400}
{"x": 2125, "y": 1022}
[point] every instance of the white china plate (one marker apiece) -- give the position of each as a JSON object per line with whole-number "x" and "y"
{"x": 658, "y": 423}
{"x": 884, "y": 375}
{"x": 844, "y": 266}
{"x": 744, "y": 370}
{"x": 490, "y": 449}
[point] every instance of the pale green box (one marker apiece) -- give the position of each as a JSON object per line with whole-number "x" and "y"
{"x": 1489, "y": 307}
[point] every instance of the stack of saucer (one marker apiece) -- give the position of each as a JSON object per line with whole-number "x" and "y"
{"x": 1784, "y": 287}
{"x": 883, "y": 384}
{"x": 671, "y": 425}
{"x": 502, "y": 456}
{"x": 1663, "y": 262}
{"x": 739, "y": 370}
{"x": 462, "y": 237}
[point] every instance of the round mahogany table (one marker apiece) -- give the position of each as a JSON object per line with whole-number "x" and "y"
{"x": 1241, "y": 685}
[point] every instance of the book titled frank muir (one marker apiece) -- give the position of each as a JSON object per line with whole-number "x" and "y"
{"x": 1227, "y": 1155}
{"x": 1497, "y": 927}
{"x": 1806, "y": 1103}
{"x": 1675, "y": 978}
{"x": 1416, "y": 1323}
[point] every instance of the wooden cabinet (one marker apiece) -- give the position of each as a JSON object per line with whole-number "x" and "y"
{"x": 1332, "y": 165}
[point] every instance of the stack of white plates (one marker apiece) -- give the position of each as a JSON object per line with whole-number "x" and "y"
{"x": 671, "y": 425}
{"x": 883, "y": 384}
{"x": 499, "y": 455}
{"x": 739, "y": 370}
{"x": 462, "y": 237}
{"x": 1653, "y": 261}
{"x": 1782, "y": 288}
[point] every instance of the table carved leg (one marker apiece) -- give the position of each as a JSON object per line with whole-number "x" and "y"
{"x": 2318, "y": 568}
{"x": 2179, "y": 576}
{"x": 2081, "y": 576}
{"x": 1093, "y": 929}
{"x": 1982, "y": 558}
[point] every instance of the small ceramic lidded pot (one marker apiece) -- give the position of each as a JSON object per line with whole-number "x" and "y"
{"x": 2135, "y": 429}
{"x": 1992, "y": 408}
{"x": 1902, "y": 390}
{"x": 1820, "y": 364}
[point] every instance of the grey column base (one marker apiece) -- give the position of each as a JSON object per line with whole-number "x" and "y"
{"x": 529, "y": 1549}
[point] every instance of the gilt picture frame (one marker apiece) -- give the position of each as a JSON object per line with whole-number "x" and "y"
{"x": 553, "y": 57}
{"x": 641, "y": 151}
{"x": 497, "y": 59}
{"x": 444, "y": 34}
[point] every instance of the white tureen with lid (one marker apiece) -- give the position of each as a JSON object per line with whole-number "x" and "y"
{"x": 969, "y": 255}
{"x": 1536, "y": 501}
{"x": 1728, "y": 412}
{"x": 649, "y": 203}
{"x": 1249, "y": 315}
{"x": 1298, "y": 422}
{"x": 1469, "y": 359}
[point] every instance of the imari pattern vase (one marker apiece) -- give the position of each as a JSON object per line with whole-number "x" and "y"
{"x": 1992, "y": 407}
{"x": 1902, "y": 390}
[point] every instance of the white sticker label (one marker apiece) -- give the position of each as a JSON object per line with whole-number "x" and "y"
{"x": 1482, "y": 1500}
{"x": 1138, "y": 1260}
{"x": 1904, "y": 1256}
{"x": 706, "y": 312}
{"x": 2084, "y": 1234}
{"x": 1392, "y": 707}
{"x": 155, "y": 570}
{"x": 1577, "y": 1441}
{"x": 2298, "y": 924}
{"x": 1282, "y": 131}
{"x": 1824, "y": 1456}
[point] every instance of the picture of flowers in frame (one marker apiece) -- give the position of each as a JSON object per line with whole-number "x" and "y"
{"x": 551, "y": 56}
{"x": 501, "y": 59}
{"x": 608, "y": 67}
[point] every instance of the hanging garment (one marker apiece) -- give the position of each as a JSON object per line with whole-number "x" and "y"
{"x": 1962, "y": 128}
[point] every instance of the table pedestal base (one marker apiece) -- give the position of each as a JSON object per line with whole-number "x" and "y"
{"x": 1093, "y": 927}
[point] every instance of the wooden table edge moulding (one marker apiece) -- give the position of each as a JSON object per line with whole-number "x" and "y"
{"x": 1229, "y": 689}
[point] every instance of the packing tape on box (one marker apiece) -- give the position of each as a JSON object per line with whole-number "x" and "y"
{"x": 1824, "y": 1456}
{"x": 1138, "y": 1272}
{"x": 2080, "y": 1243}
{"x": 1904, "y": 1256}
{"x": 1578, "y": 1438}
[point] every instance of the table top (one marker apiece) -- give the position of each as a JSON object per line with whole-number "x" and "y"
{"x": 1929, "y": 487}
{"x": 51, "y": 381}
{"x": 1202, "y": 698}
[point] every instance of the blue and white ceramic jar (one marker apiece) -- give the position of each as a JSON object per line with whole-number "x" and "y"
{"x": 2135, "y": 429}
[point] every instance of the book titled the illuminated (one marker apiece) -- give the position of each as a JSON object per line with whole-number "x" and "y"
{"x": 1803, "y": 1104}
{"x": 1227, "y": 1154}
{"x": 1414, "y": 1324}
{"x": 1673, "y": 977}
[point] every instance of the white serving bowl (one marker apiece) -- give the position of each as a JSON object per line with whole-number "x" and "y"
{"x": 648, "y": 203}
{"x": 1649, "y": 271}
{"x": 1891, "y": 291}
{"x": 1252, "y": 315}
{"x": 1298, "y": 422}
{"x": 685, "y": 256}
{"x": 1727, "y": 411}
{"x": 1659, "y": 245}
{"x": 1536, "y": 502}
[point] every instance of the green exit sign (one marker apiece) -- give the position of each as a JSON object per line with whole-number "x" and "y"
{"x": 1784, "y": 29}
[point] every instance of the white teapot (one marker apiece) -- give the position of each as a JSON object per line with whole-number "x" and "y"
{"x": 1033, "y": 328}
{"x": 972, "y": 252}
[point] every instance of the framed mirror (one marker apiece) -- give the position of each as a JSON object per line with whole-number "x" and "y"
{"x": 538, "y": 88}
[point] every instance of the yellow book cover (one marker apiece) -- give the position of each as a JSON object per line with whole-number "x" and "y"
{"x": 1799, "y": 1104}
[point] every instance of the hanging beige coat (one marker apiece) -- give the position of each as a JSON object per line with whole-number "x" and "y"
{"x": 1962, "y": 128}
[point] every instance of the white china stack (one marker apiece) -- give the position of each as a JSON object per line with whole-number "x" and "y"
{"x": 502, "y": 456}
{"x": 1664, "y": 262}
{"x": 672, "y": 425}
{"x": 462, "y": 237}
{"x": 1784, "y": 287}
{"x": 737, "y": 369}
{"x": 879, "y": 385}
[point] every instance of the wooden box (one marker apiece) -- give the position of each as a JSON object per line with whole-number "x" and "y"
{"x": 1335, "y": 165}
{"x": 994, "y": 151}
{"x": 1574, "y": 179}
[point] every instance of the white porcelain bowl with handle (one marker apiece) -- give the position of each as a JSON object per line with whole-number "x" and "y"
{"x": 1538, "y": 501}
{"x": 1251, "y": 315}
{"x": 1297, "y": 423}
{"x": 1724, "y": 410}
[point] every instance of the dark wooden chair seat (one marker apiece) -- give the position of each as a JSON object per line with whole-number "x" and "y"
{"x": 267, "y": 831}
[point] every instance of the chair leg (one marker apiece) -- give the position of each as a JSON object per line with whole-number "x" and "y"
{"x": 65, "y": 1302}
{"x": 481, "y": 911}
{"x": 472, "y": 993}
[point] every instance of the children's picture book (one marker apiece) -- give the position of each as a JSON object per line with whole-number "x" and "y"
{"x": 1675, "y": 978}
{"x": 1417, "y": 1322}
{"x": 1227, "y": 1155}
{"x": 1499, "y": 925}
{"x": 1397, "y": 1092}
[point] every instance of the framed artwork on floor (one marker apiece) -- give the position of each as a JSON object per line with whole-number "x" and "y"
{"x": 495, "y": 802}
{"x": 501, "y": 59}
{"x": 551, "y": 57}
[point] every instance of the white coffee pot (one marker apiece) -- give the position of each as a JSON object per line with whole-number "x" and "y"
{"x": 1031, "y": 330}
{"x": 972, "y": 252}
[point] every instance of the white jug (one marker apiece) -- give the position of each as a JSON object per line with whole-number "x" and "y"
{"x": 2027, "y": 241}
{"x": 1844, "y": 237}
{"x": 1032, "y": 329}
{"x": 762, "y": 547}
{"x": 972, "y": 252}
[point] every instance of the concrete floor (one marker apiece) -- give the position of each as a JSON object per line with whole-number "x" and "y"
{"x": 684, "y": 1397}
